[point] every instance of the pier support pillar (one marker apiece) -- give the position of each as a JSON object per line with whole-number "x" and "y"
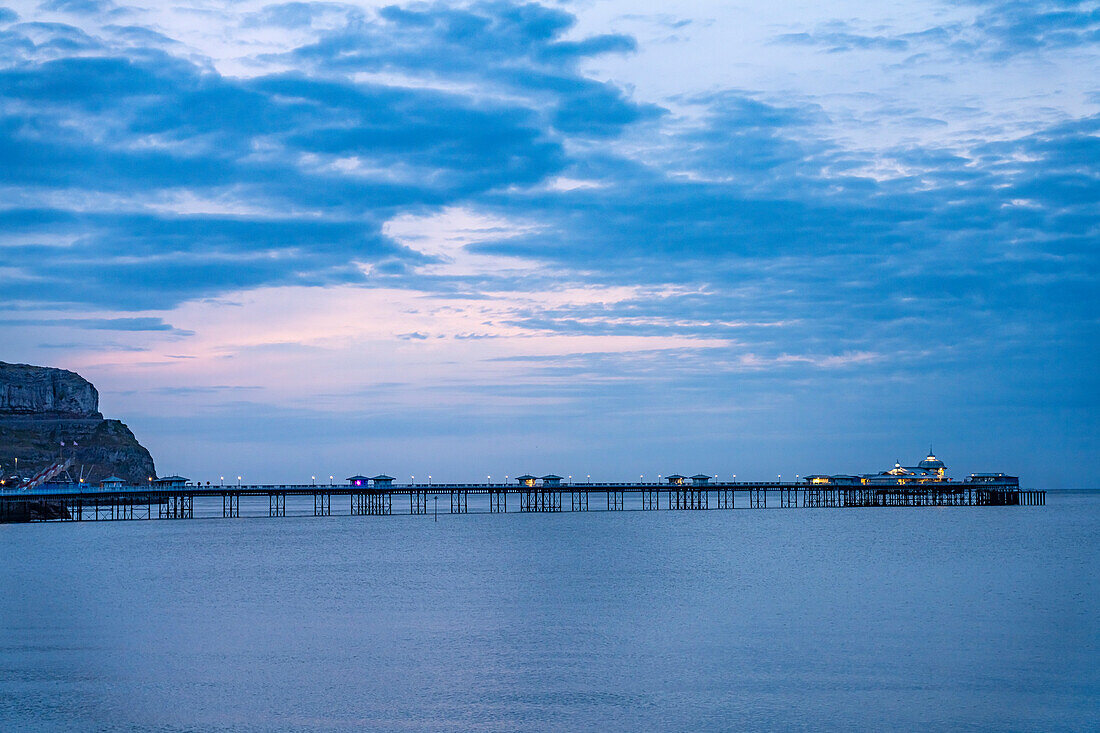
{"x": 614, "y": 501}
{"x": 459, "y": 502}
{"x": 276, "y": 505}
{"x": 758, "y": 498}
{"x": 725, "y": 498}
{"x": 322, "y": 505}
{"x": 650, "y": 500}
{"x": 689, "y": 499}
{"x": 540, "y": 501}
{"x": 578, "y": 501}
{"x": 380, "y": 504}
{"x": 173, "y": 506}
{"x": 231, "y": 505}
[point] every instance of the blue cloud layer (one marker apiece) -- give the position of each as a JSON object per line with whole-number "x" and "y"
{"x": 773, "y": 184}
{"x": 1000, "y": 29}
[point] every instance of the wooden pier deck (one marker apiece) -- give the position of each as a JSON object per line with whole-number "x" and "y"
{"x": 79, "y": 502}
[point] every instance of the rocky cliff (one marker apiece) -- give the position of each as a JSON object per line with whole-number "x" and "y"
{"x": 42, "y": 407}
{"x": 32, "y": 390}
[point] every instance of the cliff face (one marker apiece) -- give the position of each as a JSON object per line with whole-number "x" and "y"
{"x": 31, "y": 390}
{"x": 41, "y": 407}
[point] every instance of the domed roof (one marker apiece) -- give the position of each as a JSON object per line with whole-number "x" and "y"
{"x": 931, "y": 463}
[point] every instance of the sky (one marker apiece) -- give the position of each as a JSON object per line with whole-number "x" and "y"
{"x": 601, "y": 238}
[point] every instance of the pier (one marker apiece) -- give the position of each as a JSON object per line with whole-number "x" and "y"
{"x": 80, "y": 502}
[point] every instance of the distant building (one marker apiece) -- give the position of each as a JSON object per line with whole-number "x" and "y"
{"x": 382, "y": 481}
{"x": 676, "y": 479}
{"x": 929, "y": 470}
{"x": 358, "y": 480}
{"x": 170, "y": 482}
{"x": 700, "y": 479}
{"x": 112, "y": 482}
{"x": 527, "y": 479}
{"x": 551, "y": 480}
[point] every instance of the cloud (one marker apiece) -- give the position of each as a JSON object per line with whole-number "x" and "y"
{"x": 998, "y": 30}
{"x": 836, "y": 42}
{"x": 507, "y": 48}
{"x": 1016, "y": 27}
{"x": 296, "y": 15}
{"x": 100, "y": 324}
{"x": 750, "y": 179}
{"x": 143, "y": 261}
{"x": 80, "y": 7}
{"x": 47, "y": 39}
{"x": 97, "y": 346}
{"x": 135, "y": 127}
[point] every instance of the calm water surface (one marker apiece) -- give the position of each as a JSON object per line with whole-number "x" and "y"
{"x": 872, "y": 619}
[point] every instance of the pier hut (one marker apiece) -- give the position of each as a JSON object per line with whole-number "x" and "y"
{"x": 551, "y": 480}
{"x": 170, "y": 482}
{"x": 112, "y": 482}
{"x": 382, "y": 481}
{"x": 700, "y": 479}
{"x": 527, "y": 480}
{"x": 676, "y": 479}
{"x": 357, "y": 480}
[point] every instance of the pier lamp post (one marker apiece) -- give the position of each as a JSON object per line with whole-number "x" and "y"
{"x": 313, "y": 480}
{"x": 222, "y": 481}
{"x": 238, "y": 482}
{"x": 489, "y": 479}
{"x": 412, "y": 478}
{"x": 430, "y": 480}
{"x": 330, "y": 480}
{"x": 589, "y": 478}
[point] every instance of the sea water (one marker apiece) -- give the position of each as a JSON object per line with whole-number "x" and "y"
{"x": 980, "y": 618}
